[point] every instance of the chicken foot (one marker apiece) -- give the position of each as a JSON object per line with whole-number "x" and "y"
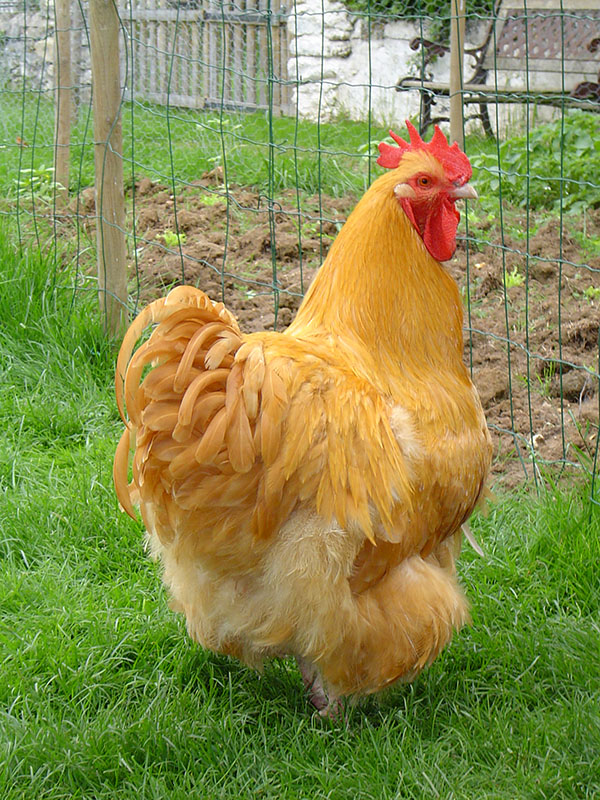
{"x": 328, "y": 705}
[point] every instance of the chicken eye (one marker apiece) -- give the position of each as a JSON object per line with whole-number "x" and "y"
{"x": 423, "y": 182}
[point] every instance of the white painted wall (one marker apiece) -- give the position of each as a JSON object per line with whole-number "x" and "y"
{"x": 329, "y": 55}
{"x": 327, "y": 29}
{"x": 334, "y": 64}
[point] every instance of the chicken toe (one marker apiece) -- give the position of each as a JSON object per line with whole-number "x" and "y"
{"x": 327, "y": 704}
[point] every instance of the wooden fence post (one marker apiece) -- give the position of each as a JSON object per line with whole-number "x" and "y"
{"x": 457, "y": 46}
{"x": 108, "y": 164}
{"x": 63, "y": 98}
{"x": 77, "y": 29}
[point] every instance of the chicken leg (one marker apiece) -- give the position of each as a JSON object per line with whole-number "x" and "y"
{"x": 327, "y": 704}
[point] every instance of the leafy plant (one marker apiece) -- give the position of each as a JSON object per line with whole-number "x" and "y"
{"x": 37, "y": 182}
{"x": 413, "y": 8}
{"x": 592, "y": 293}
{"x": 172, "y": 239}
{"x": 589, "y": 244}
{"x": 545, "y": 380}
{"x": 514, "y": 278}
{"x": 212, "y": 199}
{"x": 246, "y": 290}
{"x": 563, "y": 160}
{"x": 436, "y": 20}
{"x": 314, "y": 228}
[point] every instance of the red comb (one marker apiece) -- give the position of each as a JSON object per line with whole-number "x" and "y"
{"x": 452, "y": 158}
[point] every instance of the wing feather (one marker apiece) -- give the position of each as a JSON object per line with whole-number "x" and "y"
{"x": 161, "y": 416}
{"x": 274, "y": 400}
{"x": 238, "y": 435}
{"x": 166, "y": 449}
{"x": 158, "y": 383}
{"x": 206, "y": 407}
{"x": 213, "y": 440}
{"x": 254, "y": 376}
{"x": 120, "y": 472}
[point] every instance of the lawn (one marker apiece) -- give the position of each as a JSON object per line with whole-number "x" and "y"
{"x": 103, "y": 696}
{"x": 175, "y": 146}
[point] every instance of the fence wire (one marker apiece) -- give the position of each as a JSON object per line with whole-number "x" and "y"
{"x": 250, "y": 130}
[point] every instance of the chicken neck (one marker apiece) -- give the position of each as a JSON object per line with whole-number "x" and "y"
{"x": 382, "y": 299}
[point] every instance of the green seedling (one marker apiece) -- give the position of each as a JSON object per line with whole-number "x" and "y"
{"x": 172, "y": 239}
{"x": 37, "y": 182}
{"x": 514, "y": 278}
{"x": 212, "y": 199}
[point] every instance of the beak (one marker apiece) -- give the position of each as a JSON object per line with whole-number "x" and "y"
{"x": 466, "y": 192}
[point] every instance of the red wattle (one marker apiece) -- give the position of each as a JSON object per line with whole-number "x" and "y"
{"x": 439, "y": 235}
{"x": 436, "y": 227}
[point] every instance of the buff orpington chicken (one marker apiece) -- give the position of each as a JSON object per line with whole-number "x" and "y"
{"x": 306, "y": 491}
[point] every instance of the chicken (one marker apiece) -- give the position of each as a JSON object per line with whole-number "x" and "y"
{"x": 305, "y": 490}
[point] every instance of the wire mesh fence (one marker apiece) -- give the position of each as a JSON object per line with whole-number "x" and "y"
{"x": 249, "y": 130}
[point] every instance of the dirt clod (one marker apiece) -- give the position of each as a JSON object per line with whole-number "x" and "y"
{"x": 144, "y": 186}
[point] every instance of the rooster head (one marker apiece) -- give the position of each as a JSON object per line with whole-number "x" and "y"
{"x": 431, "y": 178}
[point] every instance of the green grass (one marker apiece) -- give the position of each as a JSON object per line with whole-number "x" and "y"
{"x": 102, "y": 695}
{"x": 159, "y": 143}
{"x": 176, "y": 146}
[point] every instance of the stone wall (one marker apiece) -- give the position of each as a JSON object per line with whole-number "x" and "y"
{"x": 27, "y": 46}
{"x": 329, "y": 57}
{"x": 356, "y": 71}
